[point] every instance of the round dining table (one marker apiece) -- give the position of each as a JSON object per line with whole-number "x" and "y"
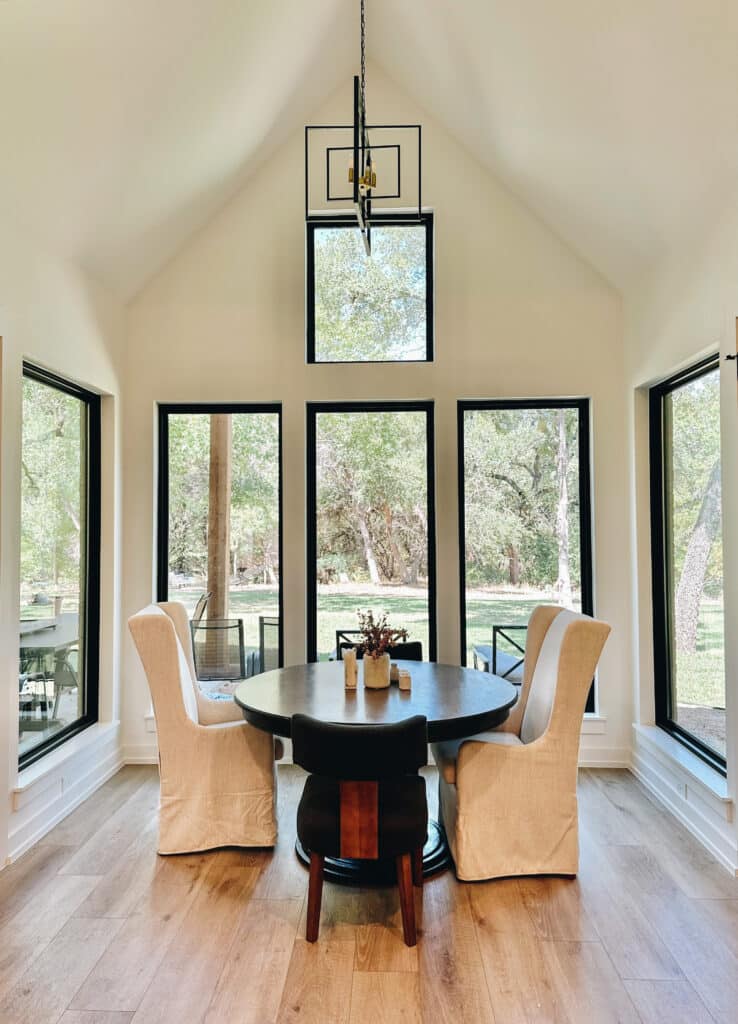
{"x": 456, "y": 702}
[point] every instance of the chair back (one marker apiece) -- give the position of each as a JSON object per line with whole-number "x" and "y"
{"x": 563, "y": 671}
{"x": 202, "y": 603}
{"x": 268, "y": 642}
{"x": 167, "y": 667}
{"x": 356, "y": 753}
{"x": 411, "y": 650}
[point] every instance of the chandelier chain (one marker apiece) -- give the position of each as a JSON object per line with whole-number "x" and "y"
{"x": 363, "y": 60}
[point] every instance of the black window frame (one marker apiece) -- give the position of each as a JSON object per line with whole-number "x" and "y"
{"x": 663, "y": 611}
{"x": 582, "y": 406}
{"x": 381, "y": 220}
{"x": 166, "y": 409}
{"x": 90, "y": 649}
{"x": 312, "y": 411}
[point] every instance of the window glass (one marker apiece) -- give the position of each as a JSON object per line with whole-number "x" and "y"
{"x": 372, "y": 522}
{"x": 53, "y": 683}
{"x": 369, "y": 308}
{"x": 525, "y": 539}
{"x": 221, "y": 551}
{"x": 694, "y": 558}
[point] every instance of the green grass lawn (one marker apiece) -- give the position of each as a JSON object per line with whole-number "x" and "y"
{"x": 700, "y": 677}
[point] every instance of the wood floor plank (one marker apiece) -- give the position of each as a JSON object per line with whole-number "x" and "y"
{"x": 113, "y": 840}
{"x": 318, "y": 985}
{"x": 454, "y": 987}
{"x": 95, "y": 1017}
{"x": 261, "y": 952}
{"x": 690, "y": 934}
{"x": 127, "y": 880}
{"x": 43, "y": 993}
{"x": 557, "y": 910}
{"x": 92, "y": 813}
{"x": 517, "y": 977}
{"x": 124, "y": 972}
{"x": 632, "y": 942}
{"x": 586, "y": 984}
{"x": 386, "y": 997}
{"x": 658, "y": 1002}
{"x": 605, "y": 822}
{"x": 184, "y": 983}
{"x": 26, "y": 880}
{"x": 24, "y": 938}
{"x": 698, "y": 874}
{"x": 380, "y": 945}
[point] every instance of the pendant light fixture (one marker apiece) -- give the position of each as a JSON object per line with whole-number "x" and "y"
{"x": 372, "y": 171}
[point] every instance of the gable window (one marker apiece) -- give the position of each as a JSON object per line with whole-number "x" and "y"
{"x": 60, "y": 563}
{"x": 687, "y": 554}
{"x": 524, "y": 520}
{"x": 369, "y": 309}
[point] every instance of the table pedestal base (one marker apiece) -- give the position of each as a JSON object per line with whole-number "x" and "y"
{"x": 436, "y": 858}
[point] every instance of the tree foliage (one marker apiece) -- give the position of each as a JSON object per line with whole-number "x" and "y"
{"x": 370, "y": 308}
{"x": 52, "y": 465}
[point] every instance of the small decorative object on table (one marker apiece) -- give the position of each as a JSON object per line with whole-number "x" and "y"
{"x": 377, "y": 636}
{"x": 405, "y": 679}
{"x": 350, "y": 669}
{"x": 394, "y": 672}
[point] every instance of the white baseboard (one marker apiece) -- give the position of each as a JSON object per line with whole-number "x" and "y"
{"x": 604, "y": 757}
{"x": 683, "y": 784}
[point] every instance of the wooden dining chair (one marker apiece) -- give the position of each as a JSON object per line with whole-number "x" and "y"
{"x": 363, "y": 800}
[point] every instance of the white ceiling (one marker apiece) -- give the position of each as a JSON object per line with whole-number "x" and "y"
{"x": 125, "y": 124}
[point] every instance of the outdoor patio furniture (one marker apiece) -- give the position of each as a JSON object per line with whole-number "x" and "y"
{"x": 489, "y": 657}
{"x": 218, "y": 649}
{"x": 410, "y": 650}
{"x": 268, "y": 643}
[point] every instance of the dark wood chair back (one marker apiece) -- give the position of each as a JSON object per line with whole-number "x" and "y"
{"x": 360, "y": 752}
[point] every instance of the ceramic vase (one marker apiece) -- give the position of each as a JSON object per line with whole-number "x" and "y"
{"x": 376, "y": 672}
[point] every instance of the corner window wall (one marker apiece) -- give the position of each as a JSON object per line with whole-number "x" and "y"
{"x": 525, "y": 521}
{"x": 60, "y": 562}
{"x": 220, "y": 532}
{"x": 371, "y": 520}
{"x": 688, "y": 559}
{"x": 370, "y": 309}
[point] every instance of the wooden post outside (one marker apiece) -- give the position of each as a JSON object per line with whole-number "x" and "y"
{"x": 219, "y": 530}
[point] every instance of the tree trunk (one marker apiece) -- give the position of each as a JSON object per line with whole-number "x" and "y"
{"x": 371, "y": 562}
{"x": 513, "y": 564}
{"x": 694, "y": 570}
{"x": 400, "y": 566}
{"x": 219, "y": 515}
{"x": 563, "y": 583}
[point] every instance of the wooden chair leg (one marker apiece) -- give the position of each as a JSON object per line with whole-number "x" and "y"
{"x": 418, "y": 867}
{"x": 407, "y": 900}
{"x": 315, "y": 895}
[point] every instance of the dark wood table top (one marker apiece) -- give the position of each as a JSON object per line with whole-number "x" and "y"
{"x": 456, "y": 701}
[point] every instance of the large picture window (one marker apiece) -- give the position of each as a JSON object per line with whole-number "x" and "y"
{"x": 525, "y": 522}
{"x": 368, "y": 309}
{"x": 220, "y": 533}
{"x": 371, "y": 520}
{"x": 60, "y": 563}
{"x": 687, "y": 553}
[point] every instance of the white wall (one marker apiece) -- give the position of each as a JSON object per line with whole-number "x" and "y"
{"x": 518, "y": 314}
{"x": 54, "y": 315}
{"x": 686, "y": 309}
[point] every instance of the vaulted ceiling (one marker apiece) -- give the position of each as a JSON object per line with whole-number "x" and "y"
{"x": 125, "y": 124}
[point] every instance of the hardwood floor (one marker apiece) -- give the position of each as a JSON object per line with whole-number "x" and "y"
{"x": 95, "y": 928}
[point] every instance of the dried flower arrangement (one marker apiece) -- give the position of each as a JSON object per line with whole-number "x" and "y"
{"x": 377, "y": 636}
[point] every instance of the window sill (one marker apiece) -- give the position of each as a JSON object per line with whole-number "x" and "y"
{"x": 594, "y": 725}
{"x": 699, "y": 772}
{"x": 43, "y": 773}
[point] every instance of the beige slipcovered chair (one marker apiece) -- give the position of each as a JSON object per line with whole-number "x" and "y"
{"x": 508, "y": 798}
{"x": 217, "y": 772}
